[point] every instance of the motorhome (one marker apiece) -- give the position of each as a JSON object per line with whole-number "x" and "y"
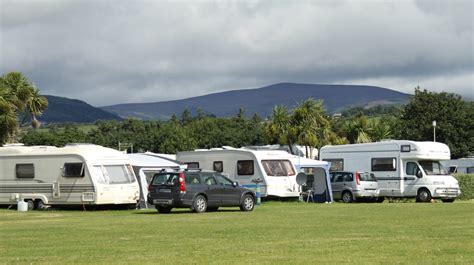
{"x": 275, "y": 169}
{"x": 77, "y": 174}
{"x": 403, "y": 168}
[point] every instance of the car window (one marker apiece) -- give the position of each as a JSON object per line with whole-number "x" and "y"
{"x": 163, "y": 178}
{"x": 338, "y": 177}
{"x": 367, "y": 177}
{"x": 223, "y": 180}
{"x": 209, "y": 179}
{"x": 192, "y": 178}
{"x": 348, "y": 177}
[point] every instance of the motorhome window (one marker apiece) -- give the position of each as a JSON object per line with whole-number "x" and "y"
{"x": 218, "y": 166}
{"x": 165, "y": 178}
{"x": 73, "y": 170}
{"x": 245, "y": 167}
{"x": 278, "y": 167}
{"x": 25, "y": 170}
{"x": 119, "y": 174}
{"x": 336, "y": 164}
{"x": 411, "y": 168}
{"x": 384, "y": 164}
{"x": 98, "y": 173}
{"x": 469, "y": 170}
{"x": 192, "y": 165}
{"x": 432, "y": 167}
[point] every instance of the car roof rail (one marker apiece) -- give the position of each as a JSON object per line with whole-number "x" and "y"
{"x": 193, "y": 169}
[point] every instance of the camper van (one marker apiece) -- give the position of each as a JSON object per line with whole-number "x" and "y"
{"x": 275, "y": 169}
{"x": 77, "y": 174}
{"x": 402, "y": 168}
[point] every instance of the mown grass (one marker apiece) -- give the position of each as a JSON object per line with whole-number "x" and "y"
{"x": 275, "y": 233}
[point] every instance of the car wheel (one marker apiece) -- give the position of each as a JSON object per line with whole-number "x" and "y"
{"x": 347, "y": 197}
{"x": 380, "y": 199}
{"x": 447, "y": 200}
{"x": 162, "y": 209}
{"x": 424, "y": 195}
{"x": 199, "y": 204}
{"x": 212, "y": 209}
{"x": 248, "y": 203}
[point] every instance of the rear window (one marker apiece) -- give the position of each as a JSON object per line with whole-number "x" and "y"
{"x": 278, "y": 167}
{"x": 165, "y": 178}
{"x": 367, "y": 177}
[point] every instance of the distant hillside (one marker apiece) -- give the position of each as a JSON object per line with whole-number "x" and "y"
{"x": 72, "y": 110}
{"x": 262, "y": 100}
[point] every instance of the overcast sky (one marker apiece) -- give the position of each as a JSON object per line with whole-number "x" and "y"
{"x": 109, "y": 52}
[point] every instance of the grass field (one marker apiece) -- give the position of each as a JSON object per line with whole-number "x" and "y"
{"x": 275, "y": 233}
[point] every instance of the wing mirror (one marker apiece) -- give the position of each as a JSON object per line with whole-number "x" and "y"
{"x": 419, "y": 174}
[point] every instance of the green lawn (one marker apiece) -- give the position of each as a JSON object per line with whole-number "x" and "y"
{"x": 275, "y": 233}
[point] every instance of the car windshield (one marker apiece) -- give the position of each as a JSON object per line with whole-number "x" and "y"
{"x": 367, "y": 177}
{"x": 432, "y": 167}
{"x": 165, "y": 178}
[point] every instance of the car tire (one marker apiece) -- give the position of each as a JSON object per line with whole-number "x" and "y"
{"x": 199, "y": 204}
{"x": 423, "y": 195}
{"x": 212, "y": 209}
{"x": 347, "y": 197}
{"x": 448, "y": 200}
{"x": 162, "y": 209}
{"x": 380, "y": 199}
{"x": 248, "y": 203}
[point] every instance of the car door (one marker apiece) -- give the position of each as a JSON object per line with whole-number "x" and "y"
{"x": 337, "y": 184}
{"x": 211, "y": 189}
{"x": 229, "y": 193}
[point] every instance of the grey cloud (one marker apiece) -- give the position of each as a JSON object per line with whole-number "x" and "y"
{"x": 108, "y": 52}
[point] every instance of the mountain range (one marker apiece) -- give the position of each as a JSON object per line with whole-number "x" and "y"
{"x": 263, "y": 100}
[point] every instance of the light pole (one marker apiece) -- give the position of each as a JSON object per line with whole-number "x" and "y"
{"x": 434, "y": 131}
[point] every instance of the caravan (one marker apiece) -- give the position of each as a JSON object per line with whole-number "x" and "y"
{"x": 275, "y": 169}
{"x": 403, "y": 168}
{"x": 78, "y": 174}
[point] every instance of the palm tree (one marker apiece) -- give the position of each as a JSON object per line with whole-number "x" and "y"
{"x": 358, "y": 130}
{"x": 18, "y": 95}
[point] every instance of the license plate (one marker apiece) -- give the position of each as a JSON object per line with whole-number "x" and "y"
{"x": 165, "y": 190}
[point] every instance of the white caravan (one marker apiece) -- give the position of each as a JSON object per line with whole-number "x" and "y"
{"x": 462, "y": 165}
{"x": 77, "y": 174}
{"x": 403, "y": 168}
{"x": 274, "y": 168}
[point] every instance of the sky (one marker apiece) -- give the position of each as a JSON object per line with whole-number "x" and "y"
{"x": 111, "y": 52}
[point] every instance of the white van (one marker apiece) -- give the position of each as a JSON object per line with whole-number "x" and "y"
{"x": 274, "y": 168}
{"x": 77, "y": 174}
{"x": 403, "y": 168}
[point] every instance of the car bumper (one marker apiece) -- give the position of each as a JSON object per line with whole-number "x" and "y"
{"x": 367, "y": 193}
{"x": 446, "y": 193}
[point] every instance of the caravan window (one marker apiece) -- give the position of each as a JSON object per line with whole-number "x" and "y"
{"x": 384, "y": 164}
{"x": 99, "y": 174}
{"x": 25, "y": 170}
{"x": 245, "y": 167}
{"x": 192, "y": 165}
{"x": 119, "y": 174}
{"x": 218, "y": 166}
{"x": 278, "y": 167}
{"x": 72, "y": 170}
{"x": 336, "y": 164}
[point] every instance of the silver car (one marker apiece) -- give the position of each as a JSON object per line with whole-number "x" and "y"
{"x": 350, "y": 186}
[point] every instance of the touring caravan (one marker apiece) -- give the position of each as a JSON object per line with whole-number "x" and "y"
{"x": 462, "y": 165}
{"x": 145, "y": 166}
{"x": 77, "y": 174}
{"x": 274, "y": 168}
{"x": 317, "y": 178}
{"x": 403, "y": 168}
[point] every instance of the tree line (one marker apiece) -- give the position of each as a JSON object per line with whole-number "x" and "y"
{"x": 308, "y": 124}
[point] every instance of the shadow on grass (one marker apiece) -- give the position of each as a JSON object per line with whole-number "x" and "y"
{"x": 183, "y": 211}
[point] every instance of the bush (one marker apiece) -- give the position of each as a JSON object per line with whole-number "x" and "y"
{"x": 466, "y": 183}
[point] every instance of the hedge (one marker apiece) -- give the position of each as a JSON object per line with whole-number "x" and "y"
{"x": 466, "y": 183}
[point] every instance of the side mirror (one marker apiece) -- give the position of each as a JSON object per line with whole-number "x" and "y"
{"x": 235, "y": 184}
{"x": 419, "y": 174}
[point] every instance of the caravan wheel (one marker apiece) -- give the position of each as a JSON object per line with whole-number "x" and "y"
{"x": 31, "y": 204}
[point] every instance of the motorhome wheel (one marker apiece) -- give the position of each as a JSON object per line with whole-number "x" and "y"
{"x": 423, "y": 195}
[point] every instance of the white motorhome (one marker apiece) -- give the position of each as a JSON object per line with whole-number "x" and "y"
{"x": 403, "y": 168}
{"x": 77, "y": 174}
{"x": 274, "y": 168}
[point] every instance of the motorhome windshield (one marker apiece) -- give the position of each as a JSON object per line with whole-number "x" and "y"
{"x": 432, "y": 167}
{"x": 278, "y": 167}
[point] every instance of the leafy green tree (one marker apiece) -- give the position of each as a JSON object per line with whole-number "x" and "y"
{"x": 453, "y": 116}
